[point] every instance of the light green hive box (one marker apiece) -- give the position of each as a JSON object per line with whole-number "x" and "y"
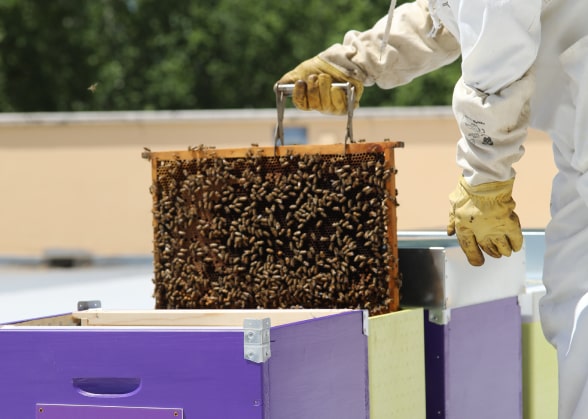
{"x": 397, "y": 365}
{"x": 539, "y": 363}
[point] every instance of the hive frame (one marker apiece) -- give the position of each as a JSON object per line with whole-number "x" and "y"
{"x": 385, "y": 149}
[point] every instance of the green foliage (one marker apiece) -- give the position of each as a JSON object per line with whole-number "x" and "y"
{"x": 177, "y": 54}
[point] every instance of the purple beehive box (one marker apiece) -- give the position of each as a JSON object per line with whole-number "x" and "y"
{"x": 205, "y": 364}
{"x": 472, "y": 333}
{"x": 473, "y": 362}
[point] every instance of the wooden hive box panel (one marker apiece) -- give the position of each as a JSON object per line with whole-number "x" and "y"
{"x": 191, "y": 364}
{"x": 473, "y": 362}
{"x": 397, "y": 365}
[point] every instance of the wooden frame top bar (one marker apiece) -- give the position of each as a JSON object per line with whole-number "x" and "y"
{"x": 329, "y": 149}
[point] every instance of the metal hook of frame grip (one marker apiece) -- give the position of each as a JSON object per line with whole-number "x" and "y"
{"x": 283, "y": 90}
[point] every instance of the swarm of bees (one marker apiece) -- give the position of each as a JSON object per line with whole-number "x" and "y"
{"x": 268, "y": 231}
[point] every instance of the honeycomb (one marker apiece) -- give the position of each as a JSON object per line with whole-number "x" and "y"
{"x": 305, "y": 227}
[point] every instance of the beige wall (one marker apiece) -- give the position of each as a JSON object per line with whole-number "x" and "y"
{"x": 78, "y": 180}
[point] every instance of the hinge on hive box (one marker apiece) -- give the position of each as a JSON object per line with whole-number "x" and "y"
{"x": 256, "y": 339}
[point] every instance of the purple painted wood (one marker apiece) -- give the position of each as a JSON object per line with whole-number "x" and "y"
{"x": 435, "y": 369}
{"x": 202, "y": 372}
{"x": 319, "y": 368}
{"x": 100, "y": 412}
{"x": 481, "y": 358}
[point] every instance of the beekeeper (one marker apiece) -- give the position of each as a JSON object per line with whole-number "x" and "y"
{"x": 524, "y": 63}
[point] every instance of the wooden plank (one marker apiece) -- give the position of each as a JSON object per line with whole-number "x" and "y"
{"x": 319, "y": 370}
{"x": 393, "y": 285}
{"x": 200, "y": 153}
{"x": 396, "y": 365}
{"x": 208, "y": 318}
{"x": 59, "y": 320}
{"x": 539, "y": 374}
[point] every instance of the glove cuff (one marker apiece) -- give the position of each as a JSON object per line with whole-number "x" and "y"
{"x": 496, "y": 191}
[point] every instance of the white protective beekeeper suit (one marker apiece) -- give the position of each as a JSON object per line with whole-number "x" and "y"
{"x": 524, "y": 63}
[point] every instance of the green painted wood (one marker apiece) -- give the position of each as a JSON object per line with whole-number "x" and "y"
{"x": 396, "y": 365}
{"x": 539, "y": 374}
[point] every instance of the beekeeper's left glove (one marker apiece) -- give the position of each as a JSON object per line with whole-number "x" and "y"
{"x": 483, "y": 218}
{"x": 313, "y": 88}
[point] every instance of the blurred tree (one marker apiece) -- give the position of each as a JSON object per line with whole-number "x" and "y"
{"x": 64, "y": 55}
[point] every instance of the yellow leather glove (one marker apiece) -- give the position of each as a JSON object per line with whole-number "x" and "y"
{"x": 312, "y": 87}
{"x": 483, "y": 217}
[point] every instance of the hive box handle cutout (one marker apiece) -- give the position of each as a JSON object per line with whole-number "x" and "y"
{"x": 107, "y": 386}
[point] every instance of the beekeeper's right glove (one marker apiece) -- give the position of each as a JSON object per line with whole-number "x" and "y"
{"x": 313, "y": 88}
{"x": 483, "y": 218}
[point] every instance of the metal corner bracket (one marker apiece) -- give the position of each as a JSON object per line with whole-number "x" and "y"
{"x": 440, "y": 316}
{"x": 256, "y": 340}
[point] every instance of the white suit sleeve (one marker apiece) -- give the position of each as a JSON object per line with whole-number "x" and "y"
{"x": 414, "y": 49}
{"x": 499, "y": 40}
